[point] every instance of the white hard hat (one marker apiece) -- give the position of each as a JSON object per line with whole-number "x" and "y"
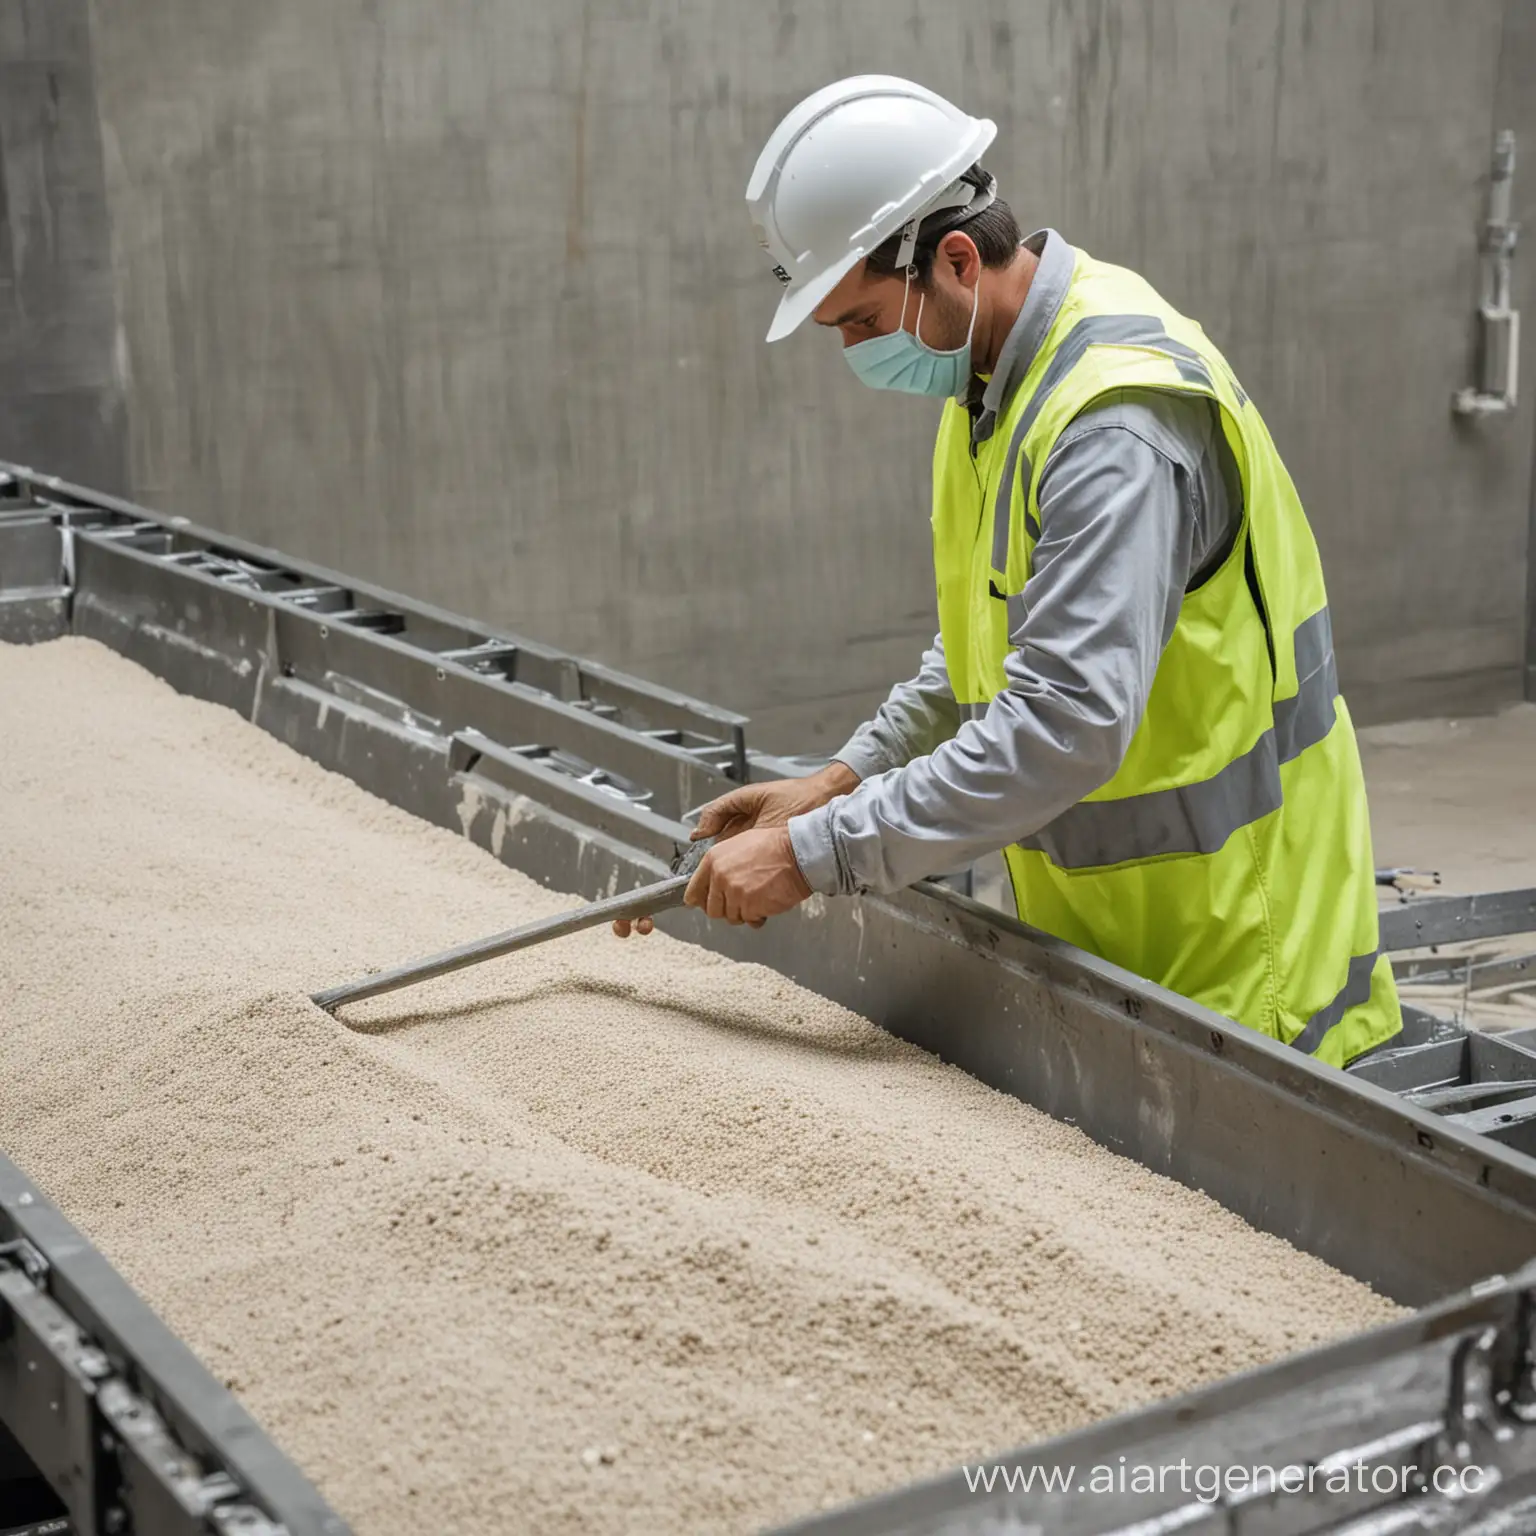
{"x": 849, "y": 167}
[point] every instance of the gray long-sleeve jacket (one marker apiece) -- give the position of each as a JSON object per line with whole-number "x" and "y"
{"x": 1138, "y": 499}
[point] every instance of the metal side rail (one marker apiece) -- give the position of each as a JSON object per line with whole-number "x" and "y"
{"x": 1425, "y": 1426}
{"x": 113, "y": 1412}
{"x": 72, "y": 560}
{"x": 34, "y": 582}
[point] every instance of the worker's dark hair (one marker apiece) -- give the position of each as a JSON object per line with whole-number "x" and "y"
{"x": 995, "y": 231}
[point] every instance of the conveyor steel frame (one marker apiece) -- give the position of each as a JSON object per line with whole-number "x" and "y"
{"x": 1385, "y": 1190}
{"x": 114, "y": 1410}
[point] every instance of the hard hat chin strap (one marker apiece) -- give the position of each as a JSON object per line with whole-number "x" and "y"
{"x": 959, "y": 194}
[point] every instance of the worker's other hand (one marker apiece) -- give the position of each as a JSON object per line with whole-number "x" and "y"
{"x": 749, "y": 879}
{"x": 624, "y": 926}
{"x": 772, "y": 804}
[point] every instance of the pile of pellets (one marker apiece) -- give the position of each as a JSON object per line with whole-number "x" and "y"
{"x": 607, "y": 1236}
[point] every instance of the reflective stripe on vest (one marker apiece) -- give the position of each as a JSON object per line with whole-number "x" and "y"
{"x": 1124, "y": 330}
{"x": 1356, "y": 990}
{"x": 1200, "y": 817}
{"x": 1238, "y": 808}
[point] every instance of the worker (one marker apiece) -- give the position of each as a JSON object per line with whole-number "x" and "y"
{"x": 1132, "y": 694}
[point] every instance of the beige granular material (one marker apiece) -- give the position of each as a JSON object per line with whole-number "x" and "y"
{"x": 603, "y": 1237}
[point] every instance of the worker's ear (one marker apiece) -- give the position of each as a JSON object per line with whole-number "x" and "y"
{"x": 957, "y": 252}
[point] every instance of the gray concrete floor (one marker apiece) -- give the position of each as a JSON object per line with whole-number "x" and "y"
{"x": 1458, "y": 796}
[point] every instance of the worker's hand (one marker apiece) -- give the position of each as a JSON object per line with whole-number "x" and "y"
{"x": 748, "y": 879}
{"x": 772, "y": 804}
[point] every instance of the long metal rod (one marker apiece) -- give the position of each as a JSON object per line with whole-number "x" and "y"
{"x": 647, "y": 901}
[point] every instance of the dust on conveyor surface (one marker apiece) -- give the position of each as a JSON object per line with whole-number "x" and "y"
{"x": 601, "y": 1237}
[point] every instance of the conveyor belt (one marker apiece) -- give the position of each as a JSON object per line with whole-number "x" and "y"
{"x": 582, "y": 777}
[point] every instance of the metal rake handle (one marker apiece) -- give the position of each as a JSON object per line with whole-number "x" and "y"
{"x": 645, "y": 902}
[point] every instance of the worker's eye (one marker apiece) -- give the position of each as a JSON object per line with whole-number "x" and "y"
{"x": 868, "y": 323}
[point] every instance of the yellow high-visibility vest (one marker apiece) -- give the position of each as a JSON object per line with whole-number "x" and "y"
{"x": 1229, "y": 857}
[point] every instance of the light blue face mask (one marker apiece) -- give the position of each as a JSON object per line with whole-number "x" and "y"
{"x": 905, "y": 362}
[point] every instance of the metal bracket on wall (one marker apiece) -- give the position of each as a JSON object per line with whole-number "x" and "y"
{"x": 1499, "y": 339}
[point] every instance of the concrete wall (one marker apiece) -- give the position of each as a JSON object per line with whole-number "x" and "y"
{"x": 61, "y": 403}
{"x": 460, "y": 295}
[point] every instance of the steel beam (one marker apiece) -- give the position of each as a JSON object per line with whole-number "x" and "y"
{"x": 225, "y": 641}
{"x": 34, "y": 591}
